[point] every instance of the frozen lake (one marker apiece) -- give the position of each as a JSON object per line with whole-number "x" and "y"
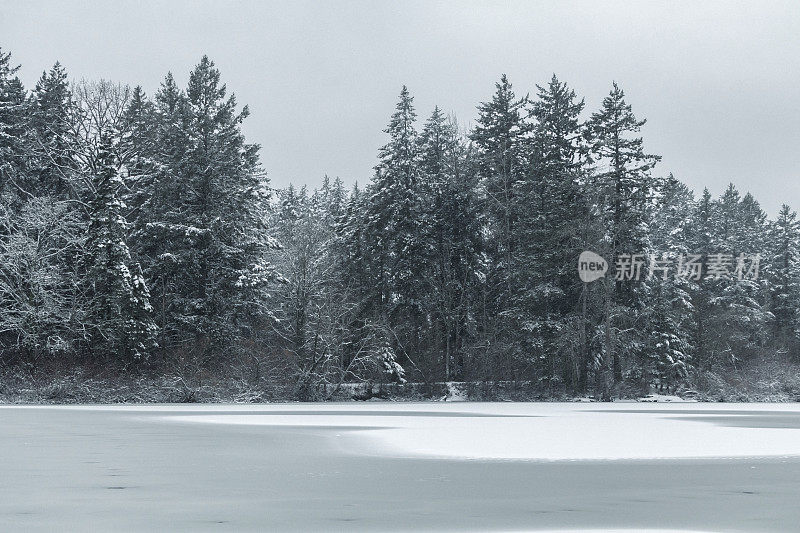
{"x": 401, "y": 466}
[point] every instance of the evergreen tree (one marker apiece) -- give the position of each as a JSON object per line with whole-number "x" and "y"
{"x": 736, "y": 315}
{"x": 160, "y": 234}
{"x": 701, "y": 245}
{"x": 667, "y": 350}
{"x": 500, "y": 141}
{"x": 332, "y": 198}
{"x": 667, "y": 301}
{"x": 13, "y": 134}
{"x": 351, "y": 245}
{"x": 201, "y": 229}
{"x": 137, "y": 152}
{"x": 225, "y": 273}
{"x": 624, "y": 184}
{"x": 53, "y": 124}
{"x": 452, "y": 237}
{"x": 783, "y": 272}
{"x": 552, "y": 205}
{"x": 354, "y": 267}
{"x": 121, "y": 310}
{"x": 393, "y": 227}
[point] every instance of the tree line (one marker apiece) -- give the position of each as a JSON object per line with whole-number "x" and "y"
{"x": 141, "y": 233}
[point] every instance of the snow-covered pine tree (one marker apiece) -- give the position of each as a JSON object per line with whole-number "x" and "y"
{"x": 139, "y": 330}
{"x": 395, "y": 208}
{"x": 666, "y": 315}
{"x": 138, "y": 124}
{"x": 452, "y": 237}
{"x": 551, "y": 206}
{"x": 136, "y": 152}
{"x": 355, "y": 268}
{"x": 386, "y": 360}
{"x": 623, "y": 182}
{"x": 701, "y": 237}
{"x": 14, "y": 160}
{"x": 499, "y": 137}
{"x": 210, "y": 222}
{"x": 782, "y": 270}
{"x": 332, "y": 198}
{"x": 666, "y": 351}
{"x": 393, "y": 229}
{"x": 120, "y": 312}
{"x": 736, "y": 318}
{"x": 159, "y": 235}
{"x": 351, "y": 248}
{"x": 53, "y": 125}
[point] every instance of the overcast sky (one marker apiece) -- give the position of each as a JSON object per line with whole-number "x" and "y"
{"x": 719, "y": 82}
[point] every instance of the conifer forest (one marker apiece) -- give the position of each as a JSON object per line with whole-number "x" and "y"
{"x": 141, "y": 240}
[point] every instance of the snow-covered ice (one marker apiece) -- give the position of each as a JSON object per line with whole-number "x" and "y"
{"x": 547, "y": 431}
{"x": 586, "y": 467}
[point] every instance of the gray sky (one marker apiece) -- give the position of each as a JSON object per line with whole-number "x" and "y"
{"x": 719, "y": 82}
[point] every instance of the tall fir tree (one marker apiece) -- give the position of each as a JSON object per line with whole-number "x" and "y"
{"x": 202, "y": 228}
{"x": 14, "y": 138}
{"x": 137, "y": 152}
{"x": 453, "y": 240}
{"x": 160, "y": 234}
{"x": 624, "y": 185}
{"x": 53, "y": 122}
{"x": 667, "y": 311}
{"x": 393, "y": 228}
{"x": 120, "y": 312}
{"x": 226, "y": 271}
{"x": 736, "y": 317}
{"x": 782, "y": 269}
{"x": 500, "y": 141}
{"x": 700, "y": 239}
{"x": 551, "y": 206}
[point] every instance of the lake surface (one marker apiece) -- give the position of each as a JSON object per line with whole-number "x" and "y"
{"x": 401, "y": 467}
